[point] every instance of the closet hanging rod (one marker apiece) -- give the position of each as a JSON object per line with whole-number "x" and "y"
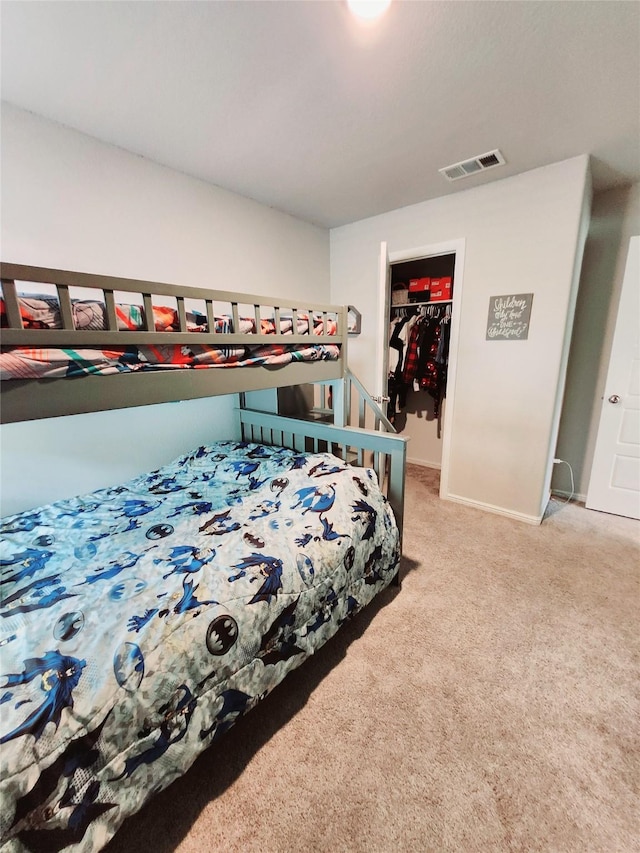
{"x": 418, "y": 304}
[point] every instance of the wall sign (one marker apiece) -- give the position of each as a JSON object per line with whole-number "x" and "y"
{"x": 509, "y": 317}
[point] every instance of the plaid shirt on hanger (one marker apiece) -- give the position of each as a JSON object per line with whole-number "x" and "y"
{"x": 411, "y": 360}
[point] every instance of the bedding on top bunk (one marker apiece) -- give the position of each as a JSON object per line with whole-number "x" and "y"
{"x": 54, "y": 362}
{"x": 139, "y": 622}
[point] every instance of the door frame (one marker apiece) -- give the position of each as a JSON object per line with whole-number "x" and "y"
{"x": 448, "y": 247}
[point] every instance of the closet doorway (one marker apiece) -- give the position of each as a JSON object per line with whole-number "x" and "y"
{"x": 413, "y": 290}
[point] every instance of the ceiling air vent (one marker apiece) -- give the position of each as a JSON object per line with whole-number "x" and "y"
{"x": 473, "y": 166}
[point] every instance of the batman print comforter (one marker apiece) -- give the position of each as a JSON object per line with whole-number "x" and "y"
{"x": 139, "y": 622}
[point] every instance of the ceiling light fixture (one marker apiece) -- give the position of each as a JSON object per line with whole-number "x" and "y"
{"x": 368, "y": 9}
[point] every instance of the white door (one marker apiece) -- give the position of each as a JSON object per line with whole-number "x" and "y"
{"x": 381, "y": 394}
{"x": 614, "y": 485}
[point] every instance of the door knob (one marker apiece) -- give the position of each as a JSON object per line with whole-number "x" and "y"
{"x": 614, "y": 399}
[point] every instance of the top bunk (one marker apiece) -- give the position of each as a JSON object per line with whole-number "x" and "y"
{"x": 74, "y": 342}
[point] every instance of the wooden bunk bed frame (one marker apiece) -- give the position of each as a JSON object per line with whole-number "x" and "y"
{"x": 31, "y": 399}
{"x": 170, "y": 718}
{"x": 61, "y": 396}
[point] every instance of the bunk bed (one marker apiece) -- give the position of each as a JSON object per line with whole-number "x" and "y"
{"x": 138, "y": 622}
{"x": 122, "y": 349}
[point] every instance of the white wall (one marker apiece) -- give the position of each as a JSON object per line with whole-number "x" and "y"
{"x": 522, "y": 235}
{"x": 615, "y": 218}
{"x": 71, "y": 202}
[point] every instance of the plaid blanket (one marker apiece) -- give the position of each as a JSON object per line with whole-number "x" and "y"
{"x": 51, "y": 363}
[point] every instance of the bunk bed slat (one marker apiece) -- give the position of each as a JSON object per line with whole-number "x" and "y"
{"x": 149, "y": 322}
{"x": 182, "y": 314}
{"x": 66, "y": 312}
{"x": 211, "y": 317}
{"x": 110, "y": 308}
{"x": 14, "y": 318}
{"x": 378, "y": 464}
{"x": 236, "y": 317}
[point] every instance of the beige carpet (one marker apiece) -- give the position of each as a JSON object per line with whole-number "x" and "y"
{"x": 490, "y": 704}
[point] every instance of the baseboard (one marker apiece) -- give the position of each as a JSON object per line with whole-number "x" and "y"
{"x": 423, "y": 464}
{"x": 576, "y": 496}
{"x": 496, "y": 510}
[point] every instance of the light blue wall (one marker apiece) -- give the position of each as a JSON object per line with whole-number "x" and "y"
{"x": 58, "y": 457}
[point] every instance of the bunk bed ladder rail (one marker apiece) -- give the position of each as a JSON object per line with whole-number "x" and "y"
{"x": 385, "y": 453}
{"x": 350, "y": 404}
{"x": 365, "y": 401}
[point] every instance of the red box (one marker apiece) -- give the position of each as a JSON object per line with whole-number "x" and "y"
{"x": 419, "y": 285}
{"x": 441, "y": 288}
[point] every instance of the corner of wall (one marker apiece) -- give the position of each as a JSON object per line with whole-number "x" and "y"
{"x": 615, "y": 217}
{"x": 582, "y": 231}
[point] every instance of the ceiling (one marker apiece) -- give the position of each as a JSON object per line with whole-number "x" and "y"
{"x": 297, "y": 105}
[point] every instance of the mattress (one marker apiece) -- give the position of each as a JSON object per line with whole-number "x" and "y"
{"x": 139, "y": 622}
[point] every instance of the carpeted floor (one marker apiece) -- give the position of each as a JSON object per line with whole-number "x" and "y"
{"x": 490, "y": 704}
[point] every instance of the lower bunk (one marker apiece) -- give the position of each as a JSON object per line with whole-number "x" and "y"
{"x": 139, "y": 622}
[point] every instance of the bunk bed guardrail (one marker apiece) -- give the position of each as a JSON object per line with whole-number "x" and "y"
{"x": 28, "y": 399}
{"x": 345, "y": 399}
{"x": 67, "y": 334}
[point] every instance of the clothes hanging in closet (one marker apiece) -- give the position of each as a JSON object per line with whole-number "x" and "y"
{"x": 397, "y": 344}
{"x": 421, "y": 364}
